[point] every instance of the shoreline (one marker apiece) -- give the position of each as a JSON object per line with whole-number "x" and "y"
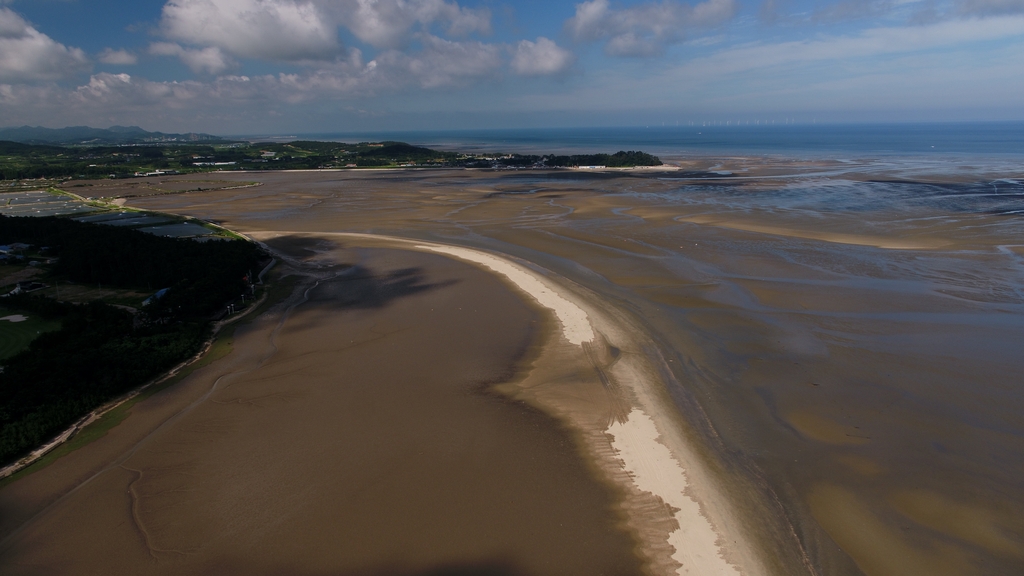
{"x": 769, "y": 352}
{"x": 422, "y": 444}
{"x": 683, "y": 523}
{"x": 775, "y": 349}
{"x": 72, "y": 431}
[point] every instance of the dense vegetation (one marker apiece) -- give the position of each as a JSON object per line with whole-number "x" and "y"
{"x": 620, "y": 159}
{"x": 95, "y": 356}
{"x": 22, "y": 161}
{"x": 102, "y": 351}
{"x": 201, "y": 276}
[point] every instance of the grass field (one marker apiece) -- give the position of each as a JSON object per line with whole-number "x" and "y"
{"x": 16, "y": 336}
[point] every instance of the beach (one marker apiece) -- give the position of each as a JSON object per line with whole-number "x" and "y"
{"x": 575, "y": 373}
{"x": 316, "y": 449}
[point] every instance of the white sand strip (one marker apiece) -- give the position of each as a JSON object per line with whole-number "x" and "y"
{"x": 637, "y": 445}
{"x": 575, "y": 323}
{"x": 14, "y": 318}
{"x": 653, "y": 469}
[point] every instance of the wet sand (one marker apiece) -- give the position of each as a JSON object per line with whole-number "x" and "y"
{"x": 830, "y": 353}
{"x": 595, "y": 374}
{"x": 354, "y": 433}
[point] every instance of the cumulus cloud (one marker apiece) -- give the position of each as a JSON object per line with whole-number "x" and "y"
{"x": 644, "y": 29}
{"x": 210, "y": 60}
{"x": 990, "y": 7}
{"x": 391, "y": 23}
{"x": 106, "y": 91}
{"x": 117, "y": 57}
{"x": 104, "y": 84}
{"x": 27, "y": 54}
{"x": 285, "y": 30}
{"x": 540, "y": 58}
{"x": 444, "y": 62}
{"x": 307, "y": 30}
{"x": 125, "y": 99}
{"x": 441, "y": 63}
{"x": 421, "y": 45}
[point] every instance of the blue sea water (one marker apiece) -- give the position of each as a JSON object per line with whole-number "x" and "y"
{"x": 1004, "y": 140}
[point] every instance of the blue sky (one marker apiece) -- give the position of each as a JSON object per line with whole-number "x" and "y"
{"x": 293, "y": 66}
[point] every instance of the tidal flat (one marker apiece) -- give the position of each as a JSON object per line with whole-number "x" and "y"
{"x": 829, "y": 350}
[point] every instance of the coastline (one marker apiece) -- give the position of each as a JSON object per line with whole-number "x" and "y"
{"x": 621, "y": 417}
{"x": 760, "y": 331}
{"x": 433, "y": 470}
{"x": 773, "y": 337}
{"x": 95, "y": 415}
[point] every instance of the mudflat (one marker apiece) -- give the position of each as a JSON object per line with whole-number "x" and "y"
{"x": 838, "y": 336}
{"x": 351, "y": 431}
{"x": 796, "y": 369}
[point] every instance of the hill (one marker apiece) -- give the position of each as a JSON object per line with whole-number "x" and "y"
{"x": 84, "y": 135}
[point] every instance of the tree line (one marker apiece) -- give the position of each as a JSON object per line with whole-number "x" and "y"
{"x": 621, "y": 159}
{"x": 101, "y": 351}
{"x": 97, "y": 355}
{"x": 201, "y": 275}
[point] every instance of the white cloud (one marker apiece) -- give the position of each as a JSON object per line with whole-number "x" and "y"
{"x": 307, "y": 30}
{"x": 644, "y": 29}
{"x": 873, "y": 42}
{"x": 990, "y": 7}
{"x": 27, "y": 54}
{"x": 103, "y": 84}
{"x": 444, "y": 62}
{"x": 540, "y": 58}
{"x": 117, "y": 57}
{"x": 946, "y": 66}
{"x": 440, "y": 64}
{"x": 209, "y": 60}
{"x": 391, "y": 23}
{"x": 120, "y": 98}
{"x": 106, "y": 92}
{"x": 286, "y": 30}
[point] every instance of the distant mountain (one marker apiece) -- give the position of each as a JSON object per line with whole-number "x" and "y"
{"x": 84, "y": 135}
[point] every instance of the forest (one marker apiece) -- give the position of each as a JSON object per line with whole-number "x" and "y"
{"x": 620, "y": 159}
{"x": 102, "y": 351}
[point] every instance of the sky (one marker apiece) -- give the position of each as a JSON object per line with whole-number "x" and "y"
{"x": 322, "y": 66}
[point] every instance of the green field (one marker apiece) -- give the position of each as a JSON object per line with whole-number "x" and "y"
{"x": 16, "y": 336}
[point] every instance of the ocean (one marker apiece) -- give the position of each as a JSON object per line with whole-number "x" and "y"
{"x": 1000, "y": 140}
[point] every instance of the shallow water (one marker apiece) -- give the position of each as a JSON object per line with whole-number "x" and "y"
{"x": 724, "y": 137}
{"x": 845, "y": 337}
